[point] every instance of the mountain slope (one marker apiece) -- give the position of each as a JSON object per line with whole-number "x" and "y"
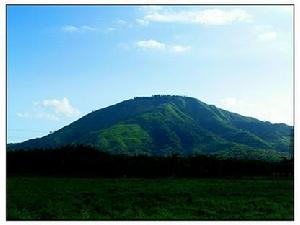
{"x": 164, "y": 125}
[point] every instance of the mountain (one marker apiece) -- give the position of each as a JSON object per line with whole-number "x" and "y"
{"x": 165, "y": 125}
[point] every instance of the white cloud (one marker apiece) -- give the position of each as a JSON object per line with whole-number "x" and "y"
{"x": 121, "y": 22}
{"x": 204, "y": 17}
{"x": 150, "y": 8}
{"x": 88, "y": 28}
{"x": 70, "y": 29}
{"x": 51, "y": 110}
{"x": 62, "y": 107}
{"x": 220, "y": 17}
{"x": 23, "y": 115}
{"x": 111, "y": 29}
{"x": 156, "y": 45}
{"x": 267, "y": 36}
{"x": 151, "y": 44}
{"x": 76, "y": 29}
{"x": 179, "y": 48}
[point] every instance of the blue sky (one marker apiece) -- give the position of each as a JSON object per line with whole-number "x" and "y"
{"x": 65, "y": 61}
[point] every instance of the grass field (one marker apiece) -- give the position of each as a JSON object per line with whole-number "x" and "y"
{"x": 42, "y": 198}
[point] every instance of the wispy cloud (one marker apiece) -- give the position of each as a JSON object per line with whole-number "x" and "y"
{"x": 267, "y": 36}
{"x": 179, "y": 48}
{"x": 69, "y": 29}
{"x": 151, "y": 44}
{"x": 156, "y": 45}
{"x": 62, "y": 107}
{"x": 51, "y": 110}
{"x": 88, "y": 28}
{"x": 150, "y": 8}
{"x": 77, "y": 29}
{"x": 204, "y": 17}
{"x": 120, "y": 22}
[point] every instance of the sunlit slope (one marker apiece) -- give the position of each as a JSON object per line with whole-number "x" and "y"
{"x": 164, "y": 125}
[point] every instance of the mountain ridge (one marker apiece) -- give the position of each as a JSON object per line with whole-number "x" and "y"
{"x": 168, "y": 124}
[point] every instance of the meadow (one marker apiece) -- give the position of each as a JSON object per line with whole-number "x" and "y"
{"x": 61, "y": 198}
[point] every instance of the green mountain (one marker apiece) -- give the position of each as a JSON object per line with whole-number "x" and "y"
{"x": 165, "y": 125}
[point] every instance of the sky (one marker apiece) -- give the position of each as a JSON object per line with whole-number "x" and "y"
{"x": 66, "y": 61}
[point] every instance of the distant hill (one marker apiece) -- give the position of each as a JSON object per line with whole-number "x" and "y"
{"x": 166, "y": 125}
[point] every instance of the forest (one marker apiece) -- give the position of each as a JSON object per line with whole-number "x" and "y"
{"x": 82, "y": 160}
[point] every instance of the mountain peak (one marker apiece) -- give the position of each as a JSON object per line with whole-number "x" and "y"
{"x": 168, "y": 124}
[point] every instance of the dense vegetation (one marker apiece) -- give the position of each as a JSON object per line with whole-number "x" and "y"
{"x": 166, "y": 125}
{"x": 50, "y": 198}
{"x": 78, "y": 182}
{"x": 85, "y": 161}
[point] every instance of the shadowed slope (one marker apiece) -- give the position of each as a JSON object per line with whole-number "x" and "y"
{"x": 164, "y": 125}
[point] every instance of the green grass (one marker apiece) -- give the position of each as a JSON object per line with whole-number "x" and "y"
{"x": 43, "y": 198}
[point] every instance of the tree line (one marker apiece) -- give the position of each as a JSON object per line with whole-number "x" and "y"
{"x": 86, "y": 161}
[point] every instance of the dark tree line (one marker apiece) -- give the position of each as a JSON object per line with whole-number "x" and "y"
{"x": 79, "y": 160}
